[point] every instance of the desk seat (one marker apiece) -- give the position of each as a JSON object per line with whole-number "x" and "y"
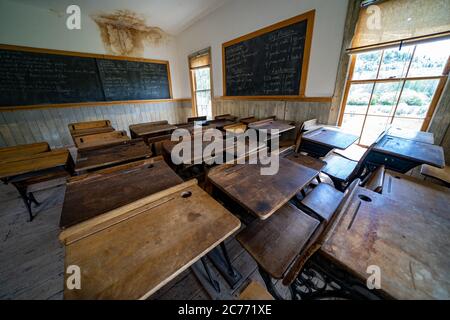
{"x": 338, "y": 167}
{"x": 323, "y": 201}
{"x": 276, "y": 242}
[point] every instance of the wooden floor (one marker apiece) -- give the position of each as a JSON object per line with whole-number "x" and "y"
{"x": 32, "y": 259}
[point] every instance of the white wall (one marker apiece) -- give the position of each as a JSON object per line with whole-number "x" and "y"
{"x": 28, "y": 25}
{"x": 244, "y": 16}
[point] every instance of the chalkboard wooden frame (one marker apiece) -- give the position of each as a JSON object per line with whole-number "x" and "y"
{"x": 307, "y": 16}
{"x": 86, "y": 55}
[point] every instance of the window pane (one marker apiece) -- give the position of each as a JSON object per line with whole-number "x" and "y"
{"x": 407, "y": 124}
{"x": 352, "y": 123}
{"x": 395, "y": 63}
{"x": 358, "y": 98}
{"x": 366, "y": 65}
{"x": 430, "y": 59}
{"x": 203, "y": 99}
{"x": 202, "y": 79}
{"x": 416, "y": 98}
{"x": 372, "y": 128}
{"x": 384, "y": 98}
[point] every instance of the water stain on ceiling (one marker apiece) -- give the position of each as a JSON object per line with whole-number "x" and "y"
{"x": 126, "y": 33}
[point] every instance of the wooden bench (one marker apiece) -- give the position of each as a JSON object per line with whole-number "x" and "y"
{"x": 100, "y": 139}
{"x": 255, "y": 291}
{"x": 322, "y": 201}
{"x": 89, "y": 127}
{"x": 275, "y": 243}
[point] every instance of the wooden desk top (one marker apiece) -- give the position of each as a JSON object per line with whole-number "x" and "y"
{"x": 143, "y": 129}
{"x": 281, "y": 126}
{"x": 261, "y": 195}
{"x": 330, "y": 137}
{"x": 112, "y": 155}
{"x": 35, "y": 162}
{"x": 423, "y": 153}
{"x": 410, "y": 245}
{"x": 131, "y": 252}
{"x": 23, "y": 151}
{"x": 89, "y": 131}
{"x": 95, "y": 193}
{"x": 419, "y": 136}
{"x": 437, "y": 173}
{"x": 219, "y": 123}
{"x": 416, "y": 192}
{"x": 93, "y": 141}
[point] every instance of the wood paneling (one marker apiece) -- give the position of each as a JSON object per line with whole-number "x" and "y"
{"x": 50, "y": 124}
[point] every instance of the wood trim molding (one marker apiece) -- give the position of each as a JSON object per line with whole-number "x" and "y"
{"x": 277, "y": 98}
{"x": 309, "y": 17}
{"x": 88, "y": 104}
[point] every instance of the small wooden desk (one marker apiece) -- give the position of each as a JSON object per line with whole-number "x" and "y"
{"x": 134, "y": 250}
{"x": 409, "y": 244}
{"x": 419, "y": 136}
{"x": 414, "y": 191}
{"x": 151, "y": 129}
{"x": 261, "y": 195}
{"x": 90, "y": 127}
{"x": 320, "y": 142}
{"x": 111, "y": 155}
{"x": 402, "y": 155}
{"x": 24, "y": 171}
{"x": 95, "y": 193}
{"x": 8, "y": 154}
{"x": 93, "y": 141}
{"x": 219, "y": 123}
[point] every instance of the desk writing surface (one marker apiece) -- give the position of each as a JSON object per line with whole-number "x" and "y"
{"x": 261, "y": 195}
{"x": 437, "y": 173}
{"x": 109, "y": 155}
{"x": 33, "y": 163}
{"x": 416, "y": 192}
{"x": 136, "y": 256}
{"x": 100, "y": 139}
{"x": 143, "y": 129}
{"x": 409, "y": 243}
{"x": 97, "y": 193}
{"x": 419, "y": 136}
{"x": 331, "y": 138}
{"x": 422, "y": 153}
{"x": 281, "y": 126}
{"x": 22, "y": 151}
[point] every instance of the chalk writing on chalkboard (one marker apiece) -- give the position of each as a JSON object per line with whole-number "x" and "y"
{"x": 268, "y": 64}
{"x": 31, "y": 78}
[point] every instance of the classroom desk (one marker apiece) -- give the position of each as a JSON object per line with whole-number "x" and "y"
{"x": 101, "y": 191}
{"x": 8, "y": 154}
{"x": 419, "y": 136}
{"x": 409, "y": 244}
{"x": 414, "y": 191}
{"x": 219, "y": 123}
{"x": 111, "y": 155}
{"x": 319, "y": 142}
{"x": 281, "y": 126}
{"x": 260, "y": 194}
{"x": 23, "y": 171}
{"x": 402, "y": 155}
{"x": 148, "y": 130}
{"x": 134, "y": 250}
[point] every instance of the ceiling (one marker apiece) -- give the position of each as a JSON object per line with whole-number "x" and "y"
{"x": 173, "y": 16}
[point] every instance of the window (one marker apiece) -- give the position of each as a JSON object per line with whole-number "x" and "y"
{"x": 201, "y": 83}
{"x": 398, "y": 87}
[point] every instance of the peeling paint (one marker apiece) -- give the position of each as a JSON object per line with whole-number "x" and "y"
{"x": 126, "y": 33}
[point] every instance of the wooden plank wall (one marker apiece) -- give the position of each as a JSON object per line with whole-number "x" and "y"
{"x": 284, "y": 110}
{"x": 33, "y": 125}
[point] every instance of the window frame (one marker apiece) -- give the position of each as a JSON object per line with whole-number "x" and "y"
{"x": 402, "y": 80}
{"x": 193, "y": 83}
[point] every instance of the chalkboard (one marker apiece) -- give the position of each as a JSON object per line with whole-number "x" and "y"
{"x": 34, "y": 78}
{"x": 269, "y": 62}
{"x": 131, "y": 80}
